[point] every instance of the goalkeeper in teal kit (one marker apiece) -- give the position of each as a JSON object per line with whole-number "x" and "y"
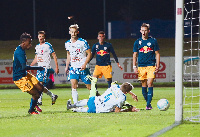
{"x": 147, "y": 50}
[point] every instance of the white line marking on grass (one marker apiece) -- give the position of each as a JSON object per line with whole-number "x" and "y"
{"x": 165, "y": 129}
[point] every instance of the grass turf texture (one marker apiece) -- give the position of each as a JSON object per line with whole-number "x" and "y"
{"x": 55, "y": 120}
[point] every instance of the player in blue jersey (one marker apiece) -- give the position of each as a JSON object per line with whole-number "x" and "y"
{"x": 112, "y": 100}
{"x": 78, "y": 56}
{"x": 23, "y": 79}
{"x": 103, "y": 67}
{"x": 147, "y": 50}
{"x": 43, "y": 52}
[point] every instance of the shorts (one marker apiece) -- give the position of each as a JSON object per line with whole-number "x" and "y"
{"x": 91, "y": 105}
{"x": 43, "y": 75}
{"x": 26, "y": 83}
{"x": 146, "y": 72}
{"x": 105, "y": 71}
{"x": 76, "y": 73}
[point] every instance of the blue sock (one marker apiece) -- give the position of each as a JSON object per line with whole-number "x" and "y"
{"x": 149, "y": 96}
{"x": 144, "y": 93}
{"x": 109, "y": 83}
{"x": 33, "y": 104}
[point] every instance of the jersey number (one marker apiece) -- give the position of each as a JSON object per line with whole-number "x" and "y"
{"x": 107, "y": 97}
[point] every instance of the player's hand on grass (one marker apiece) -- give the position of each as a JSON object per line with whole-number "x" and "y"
{"x": 134, "y": 109}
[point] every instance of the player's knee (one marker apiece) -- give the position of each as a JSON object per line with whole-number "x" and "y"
{"x": 150, "y": 84}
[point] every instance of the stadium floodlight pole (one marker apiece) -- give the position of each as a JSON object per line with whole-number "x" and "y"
{"x": 34, "y": 22}
{"x": 179, "y": 61}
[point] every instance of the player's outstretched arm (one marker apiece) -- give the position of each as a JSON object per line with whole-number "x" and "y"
{"x": 24, "y": 67}
{"x": 133, "y": 96}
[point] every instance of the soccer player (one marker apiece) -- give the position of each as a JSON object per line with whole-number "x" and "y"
{"x": 43, "y": 52}
{"x": 78, "y": 56}
{"x": 111, "y": 100}
{"x": 103, "y": 67}
{"x": 147, "y": 50}
{"x": 23, "y": 79}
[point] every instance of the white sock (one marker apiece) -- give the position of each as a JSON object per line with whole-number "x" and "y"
{"x": 80, "y": 109}
{"x": 40, "y": 99}
{"x": 74, "y": 95}
{"x": 48, "y": 92}
{"x": 81, "y": 103}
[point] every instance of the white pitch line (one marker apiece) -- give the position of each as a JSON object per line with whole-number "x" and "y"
{"x": 165, "y": 129}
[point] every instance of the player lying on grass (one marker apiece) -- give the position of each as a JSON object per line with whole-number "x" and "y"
{"x": 111, "y": 100}
{"x": 23, "y": 79}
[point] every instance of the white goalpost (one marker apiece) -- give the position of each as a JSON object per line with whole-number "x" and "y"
{"x": 187, "y": 61}
{"x": 178, "y": 62}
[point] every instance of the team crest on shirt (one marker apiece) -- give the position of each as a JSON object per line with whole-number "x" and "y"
{"x": 149, "y": 44}
{"x": 105, "y": 48}
{"x": 140, "y": 42}
{"x": 97, "y": 46}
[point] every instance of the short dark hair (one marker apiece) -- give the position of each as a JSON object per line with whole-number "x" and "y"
{"x": 24, "y": 37}
{"x": 42, "y": 32}
{"x": 146, "y": 25}
{"x": 101, "y": 32}
{"x": 126, "y": 87}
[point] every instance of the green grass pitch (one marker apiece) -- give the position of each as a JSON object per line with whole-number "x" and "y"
{"x": 55, "y": 120}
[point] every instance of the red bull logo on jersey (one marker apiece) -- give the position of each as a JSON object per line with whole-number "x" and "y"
{"x": 145, "y": 49}
{"x": 102, "y": 52}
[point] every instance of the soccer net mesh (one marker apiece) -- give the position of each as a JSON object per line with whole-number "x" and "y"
{"x": 191, "y": 76}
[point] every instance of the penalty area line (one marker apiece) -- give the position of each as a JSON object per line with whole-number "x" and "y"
{"x": 165, "y": 129}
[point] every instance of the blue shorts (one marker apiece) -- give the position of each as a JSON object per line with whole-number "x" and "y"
{"x": 43, "y": 75}
{"x": 91, "y": 105}
{"x": 75, "y": 73}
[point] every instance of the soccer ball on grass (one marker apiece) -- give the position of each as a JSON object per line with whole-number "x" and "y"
{"x": 163, "y": 104}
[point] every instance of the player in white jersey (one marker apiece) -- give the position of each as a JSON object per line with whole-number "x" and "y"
{"x": 43, "y": 52}
{"x": 78, "y": 56}
{"x": 111, "y": 100}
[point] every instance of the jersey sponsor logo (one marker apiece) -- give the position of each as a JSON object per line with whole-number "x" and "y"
{"x": 145, "y": 49}
{"x": 102, "y": 52}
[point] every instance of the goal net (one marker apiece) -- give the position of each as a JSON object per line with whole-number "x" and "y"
{"x": 191, "y": 61}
